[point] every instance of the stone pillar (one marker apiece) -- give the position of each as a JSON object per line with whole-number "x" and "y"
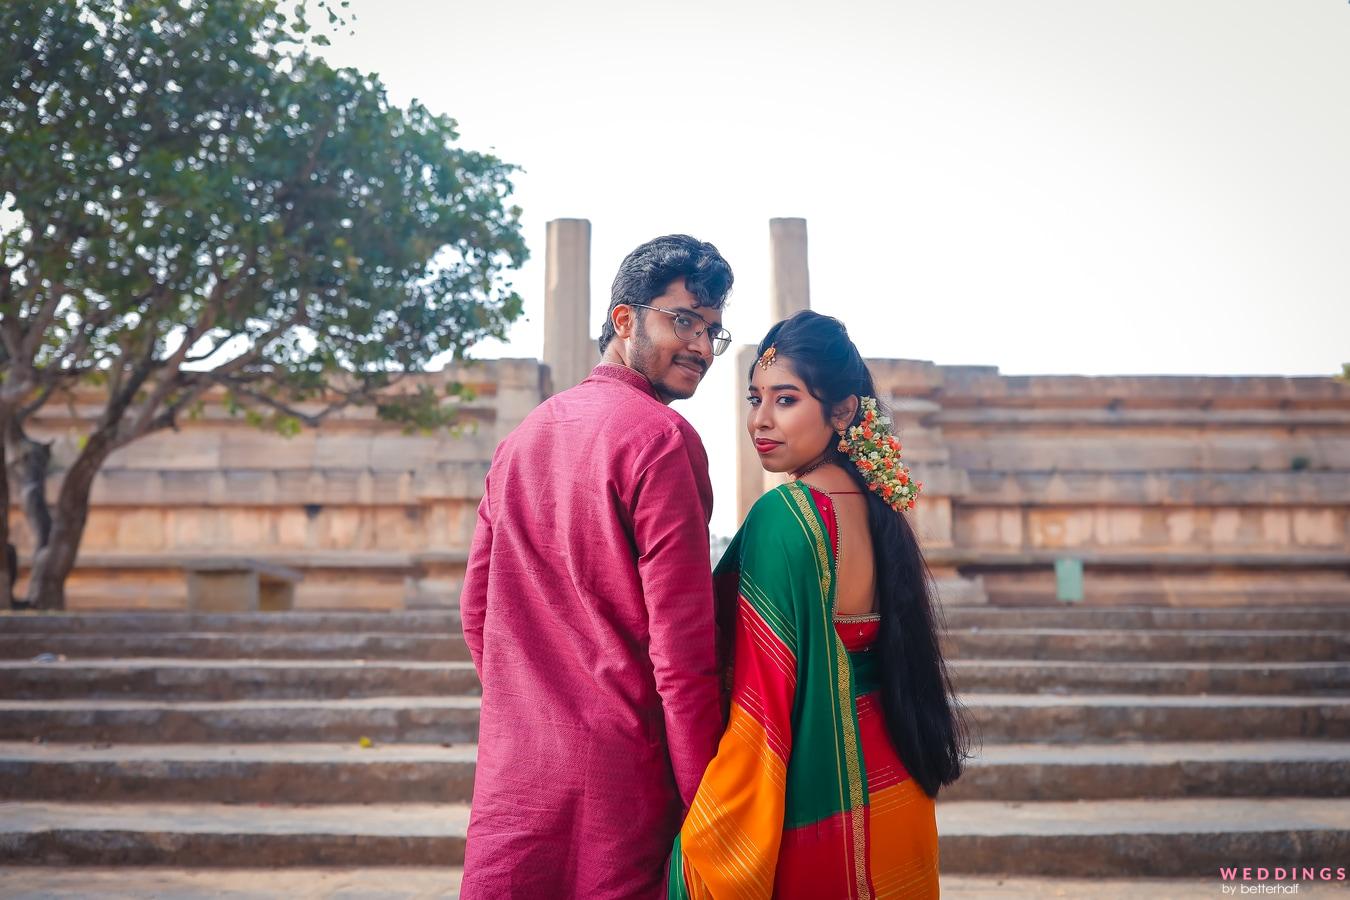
{"x": 789, "y": 292}
{"x": 569, "y": 351}
{"x": 789, "y": 278}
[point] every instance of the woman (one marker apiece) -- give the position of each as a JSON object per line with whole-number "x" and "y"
{"x": 842, "y": 725}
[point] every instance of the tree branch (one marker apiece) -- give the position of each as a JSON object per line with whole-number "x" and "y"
{"x": 260, "y": 345}
{"x": 168, "y": 417}
{"x": 121, "y": 396}
{"x": 12, "y": 338}
{"x": 51, "y": 301}
{"x": 203, "y": 357}
{"x": 40, "y": 322}
{"x": 310, "y": 419}
{"x": 6, "y": 282}
{"x": 83, "y": 336}
{"x": 170, "y": 367}
{"x": 23, "y": 412}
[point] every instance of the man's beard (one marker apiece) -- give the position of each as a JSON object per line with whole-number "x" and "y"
{"x": 643, "y": 360}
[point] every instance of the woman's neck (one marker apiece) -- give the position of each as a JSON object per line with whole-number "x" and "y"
{"x": 828, "y": 477}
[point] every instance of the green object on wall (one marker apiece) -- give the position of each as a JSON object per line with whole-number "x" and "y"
{"x": 1069, "y": 580}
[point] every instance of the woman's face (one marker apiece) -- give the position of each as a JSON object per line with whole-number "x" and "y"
{"x": 786, "y": 424}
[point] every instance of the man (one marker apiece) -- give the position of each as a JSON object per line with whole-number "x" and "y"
{"x": 588, "y": 605}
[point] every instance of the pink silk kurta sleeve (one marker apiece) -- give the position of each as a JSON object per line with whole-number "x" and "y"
{"x": 473, "y": 598}
{"x": 680, "y": 614}
{"x": 588, "y": 609}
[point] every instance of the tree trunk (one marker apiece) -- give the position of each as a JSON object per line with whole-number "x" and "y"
{"x": 33, "y": 460}
{"x": 9, "y": 571}
{"x": 54, "y": 560}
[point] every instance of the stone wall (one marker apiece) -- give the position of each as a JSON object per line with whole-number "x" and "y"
{"x": 1173, "y": 490}
{"x": 373, "y": 516}
{"x": 1170, "y": 490}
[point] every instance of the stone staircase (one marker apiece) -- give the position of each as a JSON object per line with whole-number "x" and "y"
{"x": 1121, "y": 749}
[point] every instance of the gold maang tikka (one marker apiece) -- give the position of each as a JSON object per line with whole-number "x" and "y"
{"x": 768, "y": 358}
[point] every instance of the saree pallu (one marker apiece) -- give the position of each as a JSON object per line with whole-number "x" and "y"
{"x": 806, "y": 797}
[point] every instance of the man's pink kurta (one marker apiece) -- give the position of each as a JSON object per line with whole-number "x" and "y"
{"x": 588, "y": 609}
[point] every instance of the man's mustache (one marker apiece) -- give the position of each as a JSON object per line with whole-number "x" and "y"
{"x": 695, "y": 361}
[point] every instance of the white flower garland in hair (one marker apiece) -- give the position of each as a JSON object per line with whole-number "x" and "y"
{"x": 876, "y": 452}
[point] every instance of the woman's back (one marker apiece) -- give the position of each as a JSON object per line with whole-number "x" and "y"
{"x": 902, "y": 826}
{"x": 807, "y": 796}
{"x": 855, "y": 566}
{"x": 842, "y": 728}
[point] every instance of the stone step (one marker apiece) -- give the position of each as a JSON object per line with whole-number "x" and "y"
{"x": 1112, "y": 839}
{"x": 1191, "y": 837}
{"x": 1181, "y": 645}
{"x": 402, "y": 719}
{"x": 1091, "y": 718}
{"x": 1002, "y": 887}
{"x": 244, "y": 645}
{"x": 1328, "y": 618}
{"x": 251, "y": 835}
{"x": 997, "y": 718}
{"x": 977, "y": 643}
{"x": 238, "y": 773}
{"x": 404, "y": 773}
{"x": 136, "y": 882}
{"x": 1035, "y": 772}
{"x": 171, "y": 679}
{"x": 404, "y": 621}
{"x": 231, "y": 679}
{"x": 1071, "y": 676}
{"x": 428, "y": 883}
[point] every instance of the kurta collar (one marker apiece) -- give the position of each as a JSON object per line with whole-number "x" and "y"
{"x": 628, "y": 376}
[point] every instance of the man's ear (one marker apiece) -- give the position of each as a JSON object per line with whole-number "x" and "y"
{"x": 624, "y": 320}
{"x": 843, "y": 412}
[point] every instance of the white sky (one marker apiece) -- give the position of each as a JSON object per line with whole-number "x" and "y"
{"x": 1049, "y": 186}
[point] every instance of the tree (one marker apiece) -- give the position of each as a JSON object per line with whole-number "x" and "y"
{"x": 191, "y": 200}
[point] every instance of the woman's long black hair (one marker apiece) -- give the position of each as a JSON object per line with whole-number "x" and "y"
{"x": 923, "y": 719}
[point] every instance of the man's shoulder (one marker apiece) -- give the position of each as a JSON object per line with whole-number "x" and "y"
{"x": 623, "y": 415}
{"x": 630, "y": 415}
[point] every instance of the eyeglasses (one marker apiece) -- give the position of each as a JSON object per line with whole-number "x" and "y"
{"x": 687, "y": 330}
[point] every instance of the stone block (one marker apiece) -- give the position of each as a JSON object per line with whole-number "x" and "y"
{"x": 223, "y": 592}
{"x": 1320, "y": 527}
{"x": 932, "y": 519}
{"x": 338, "y": 448}
{"x": 339, "y": 528}
{"x": 192, "y": 448}
{"x": 294, "y": 530}
{"x": 100, "y": 530}
{"x": 239, "y": 585}
{"x": 1059, "y": 527}
{"x": 252, "y": 448}
{"x": 1276, "y": 527}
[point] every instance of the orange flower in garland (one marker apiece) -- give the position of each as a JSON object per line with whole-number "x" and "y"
{"x": 876, "y": 453}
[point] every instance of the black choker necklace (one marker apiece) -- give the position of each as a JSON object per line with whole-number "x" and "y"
{"x": 824, "y": 458}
